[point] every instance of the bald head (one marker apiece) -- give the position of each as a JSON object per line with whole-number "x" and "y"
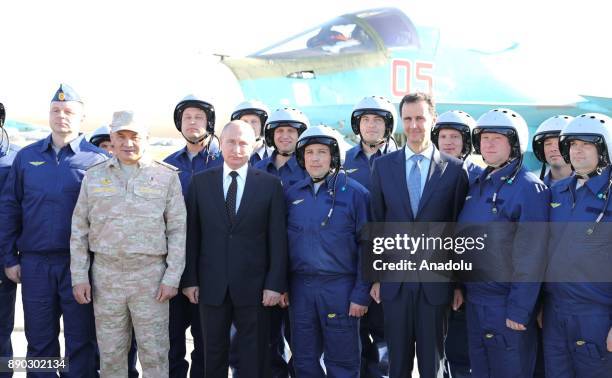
{"x": 237, "y": 143}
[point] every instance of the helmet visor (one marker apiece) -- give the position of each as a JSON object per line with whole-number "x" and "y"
{"x": 316, "y": 140}
{"x": 589, "y": 138}
{"x": 277, "y": 124}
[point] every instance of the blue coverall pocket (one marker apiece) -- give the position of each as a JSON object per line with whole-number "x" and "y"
{"x": 498, "y": 341}
{"x": 342, "y": 332}
{"x": 589, "y": 350}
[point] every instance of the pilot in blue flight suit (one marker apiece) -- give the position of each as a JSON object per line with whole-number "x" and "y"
{"x": 282, "y": 132}
{"x": 577, "y": 322}
{"x": 546, "y": 149}
{"x": 501, "y": 305}
{"x": 195, "y": 120}
{"x": 255, "y": 113}
{"x": 326, "y": 213}
{"x": 373, "y": 120}
{"x": 452, "y": 134}
{"x": 36, "y": 207}
{"x": 545, "y": 145}
{"x": 8, "y": 288}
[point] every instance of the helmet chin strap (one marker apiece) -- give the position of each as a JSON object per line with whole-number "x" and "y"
{"x": 498, "y": 166}
{"x": 378, "y": 143}
{"x": 317, "y": 180}
{"x": 585, "y": 176}
{"x": 286, "y": 154}
{"x": 196, "y": 142}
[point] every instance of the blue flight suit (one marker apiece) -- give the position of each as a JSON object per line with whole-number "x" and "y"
{"x": 325, "y": 275}
{"x": 36, "y": 206}
{"x": 514, "y": 254}
{"x": 188, "y": 167}
{"x": 359, "y": 166}
{"x": 374, "y": 357}
{"x": 8, "y": 289}
{"x": 474, "y": 170}
{"x": 184, "y": 314}
{"x": 578, "y": 314}
{"x": 456, "y": 342}
{"x": 260, "y": 154}
{"x": 289, "y": 173}
{"x": 548, "y": 180}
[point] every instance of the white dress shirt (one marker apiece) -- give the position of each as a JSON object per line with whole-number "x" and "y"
{"x": 425, "y": 163}
{"x": 240, "y": 179}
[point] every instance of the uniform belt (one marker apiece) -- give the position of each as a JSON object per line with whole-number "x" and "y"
{"x": 51, "y": 255}
{"x": 128, "y": 262}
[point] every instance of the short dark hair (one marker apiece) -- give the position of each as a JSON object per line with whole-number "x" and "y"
{"x": 411, "y": 98}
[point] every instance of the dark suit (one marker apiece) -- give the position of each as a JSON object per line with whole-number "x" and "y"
{"x": 416, "y": 312}
{"x": 233, "y": 263}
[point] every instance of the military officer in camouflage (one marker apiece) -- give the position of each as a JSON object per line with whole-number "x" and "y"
{"x": 131, "y": 216}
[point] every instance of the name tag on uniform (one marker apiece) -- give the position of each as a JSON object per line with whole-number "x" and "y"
{"x": 349, "y": 171}
{"x": 104, "y": 190}
{"x": 298, "y": 201}
{"x": 37, "y": 163}
{"x": 147, "y": 190}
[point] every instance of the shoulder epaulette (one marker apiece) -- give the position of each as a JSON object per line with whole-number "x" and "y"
{"x": 164, "y": 164}
{"x": 97, "y": 164}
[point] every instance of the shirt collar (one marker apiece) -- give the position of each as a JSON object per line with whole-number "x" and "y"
{"x": 242, "y": 171}
{"x": 262, "y": 150}
{"x": 75, "y": 144}
{"x": 597, "y": 184}
{"x": 499, "y": 175}
{"x": 291, "y": 164}
{"x": 358, "y": 150}
{"x": 427, "y": 153}
{"x": 144, "y": 161}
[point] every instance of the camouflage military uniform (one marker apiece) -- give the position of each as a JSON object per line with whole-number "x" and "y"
{"x": 134, "y": 225}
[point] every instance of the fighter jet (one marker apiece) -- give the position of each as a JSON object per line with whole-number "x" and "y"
{"x": 325, "y": 70}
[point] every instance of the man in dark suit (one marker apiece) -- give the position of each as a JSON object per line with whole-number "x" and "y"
{"x": 417, "y": 183}
{"x": 236, "y": 254}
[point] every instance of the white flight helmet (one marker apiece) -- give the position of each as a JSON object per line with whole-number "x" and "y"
{"x": 320, "y": 134}
{"x": 100, "y": 135}
{"x": 551, "y": 127}
{"x": 590, "y": 127}
{"x": 456, "y": 120}
{"x": 506, "y": 122}
{"x": 255, "y": 107}
{"x": 288, "y": 117}
{"x": 376, "y": 105}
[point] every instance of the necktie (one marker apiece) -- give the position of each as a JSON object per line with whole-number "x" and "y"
{"x": 230, "y": 198}
{"x": 414, "y": 183}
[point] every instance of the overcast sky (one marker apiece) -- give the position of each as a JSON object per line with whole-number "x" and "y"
{"x": 147, "y": 55}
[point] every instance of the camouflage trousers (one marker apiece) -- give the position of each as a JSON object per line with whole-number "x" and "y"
{"x": 124, "y": 290}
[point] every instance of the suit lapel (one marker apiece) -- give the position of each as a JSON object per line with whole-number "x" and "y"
{"x": 400, "y": 179}
{"x": 217, "y": 194}
{"x": 436, "y": 169}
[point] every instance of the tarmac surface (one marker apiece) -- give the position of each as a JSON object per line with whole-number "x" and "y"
{"x": 20, "y": 344}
